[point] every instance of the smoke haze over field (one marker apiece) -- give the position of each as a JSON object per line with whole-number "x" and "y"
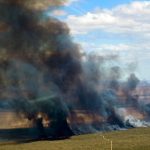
{"x": 43, "y": 71}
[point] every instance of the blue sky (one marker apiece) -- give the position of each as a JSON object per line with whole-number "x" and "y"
{"x": 88, "y": 5}
{"x": 106, "y": 27}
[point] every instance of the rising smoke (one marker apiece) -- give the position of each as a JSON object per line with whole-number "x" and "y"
{"x": 42, "y": 72}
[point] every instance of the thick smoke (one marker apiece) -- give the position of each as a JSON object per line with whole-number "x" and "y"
{"x": 40, "y": 63}
{"x": 43, "y": 73}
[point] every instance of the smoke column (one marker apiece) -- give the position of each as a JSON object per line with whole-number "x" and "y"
{"x": 40, "y": 62}
{"x": 43, "y": 72}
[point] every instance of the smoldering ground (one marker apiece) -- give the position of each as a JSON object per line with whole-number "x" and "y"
{"x": 43, "y": 71}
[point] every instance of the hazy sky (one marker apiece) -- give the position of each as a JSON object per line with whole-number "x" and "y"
{"x": 119, "y": 27}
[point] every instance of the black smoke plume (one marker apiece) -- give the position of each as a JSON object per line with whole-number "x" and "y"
{"x": 40, "y": 63}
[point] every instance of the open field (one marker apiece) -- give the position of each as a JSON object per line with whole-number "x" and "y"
{"x": 132, "y": 139}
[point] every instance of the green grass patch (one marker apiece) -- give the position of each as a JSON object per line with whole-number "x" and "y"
{"x": 132, "y": 139}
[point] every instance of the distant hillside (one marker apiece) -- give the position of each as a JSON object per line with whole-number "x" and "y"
{"x": 143, "y": 91}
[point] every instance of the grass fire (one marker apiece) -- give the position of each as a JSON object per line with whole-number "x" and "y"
{"x": 49, "y": 88}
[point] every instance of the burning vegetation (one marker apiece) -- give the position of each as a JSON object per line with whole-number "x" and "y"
{"x": 45, "y": 79}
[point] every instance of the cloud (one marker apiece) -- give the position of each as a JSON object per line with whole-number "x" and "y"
{"x": 127, "y": 52}
{"x": 123, "y": 30}
{"x": 59, "y": 12}
{"x": 132, "y": 18}
{"x": 70, "y": 2}
{"x": 127, "y": 20}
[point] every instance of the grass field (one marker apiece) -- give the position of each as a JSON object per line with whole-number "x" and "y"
{"x": 132, "y": 139}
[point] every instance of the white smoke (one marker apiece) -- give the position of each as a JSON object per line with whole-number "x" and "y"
{"x": 132, "y": 121}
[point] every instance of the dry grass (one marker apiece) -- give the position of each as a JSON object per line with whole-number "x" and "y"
{"x": 133, "y": 139}
{"x": 9, "y": 120}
